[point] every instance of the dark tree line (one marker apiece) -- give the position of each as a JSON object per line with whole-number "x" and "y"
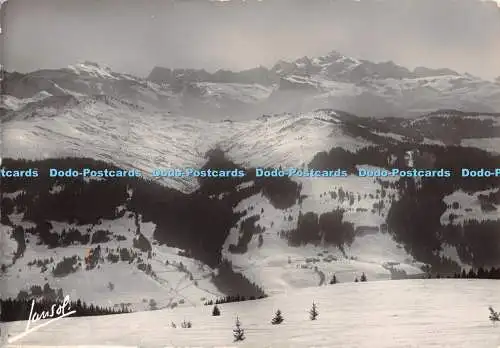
{"x": 480, "y": 273}
{"x": 66, "y": 266}
{"x": 248, "y": 229}
{"x": 230, "y": 299}
{"x": 282, "y": 192}
{"x": 451, "y": 131}
{"x": 414, "y": 218}
{"x": 235, "y": 284}
{"x": 328, "y": 227}
{"x": 19, "y": 309}
{"x": 477, "y": 242}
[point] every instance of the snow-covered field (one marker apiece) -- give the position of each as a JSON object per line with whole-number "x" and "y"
{"x": 386, "y": 314}
{"x": 469, "y": 207}
{"x": 486, "y": 144}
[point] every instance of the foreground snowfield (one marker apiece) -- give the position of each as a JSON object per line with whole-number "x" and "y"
{"x": 404, "y": 313}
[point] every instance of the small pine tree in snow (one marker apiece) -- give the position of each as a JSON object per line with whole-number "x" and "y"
{"x": 363, "y": 277}
{"x": 334, "y": 280}
{"x": 186, "y": 324}
{"x": 494, "y": 316}
{"x": 313, "y": 313}
{"x": 216, "y": 311}
{"x": 356, "y": 280}
{"x": 278, "y": 318}
{"x": 153, "y": 305}
{"x": 238, "y": 332}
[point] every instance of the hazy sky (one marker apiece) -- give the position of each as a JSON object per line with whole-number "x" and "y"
{"x": 133, "y": 36}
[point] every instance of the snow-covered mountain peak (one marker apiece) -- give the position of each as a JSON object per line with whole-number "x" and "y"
{"x": 303, "y": 61}
{"x": 426, "y": 72}
{"x": 335, "y": 56}
{"x": 93, "y": 69}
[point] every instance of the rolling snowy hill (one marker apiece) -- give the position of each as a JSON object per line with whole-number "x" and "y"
{"x": 107, "y": 129}
{"x": 406, "y": 313}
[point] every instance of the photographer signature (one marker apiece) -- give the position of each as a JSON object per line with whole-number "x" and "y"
{"x": 56, "y": 312}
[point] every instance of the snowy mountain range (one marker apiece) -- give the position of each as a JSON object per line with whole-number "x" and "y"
{"x": 181, "y": 241}
{"x": 336, "y": 81}
{"x": 330, "y": 81}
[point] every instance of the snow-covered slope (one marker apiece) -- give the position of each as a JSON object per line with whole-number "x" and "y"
{"x": 130, "y": 137}
{"x": 244, "y": 93}
{"x": 286, "y": 140}
{"x": 407, "y": 313}
{"x": 172, "y": 280}
{"x": 12, "y": 103}
{"x": 126, "y": 135}
{"x": 486, "y": 144}
{"x": 278, "y": 266}
{"x": 86, "y": 79}
{"x": 466, "y": 206}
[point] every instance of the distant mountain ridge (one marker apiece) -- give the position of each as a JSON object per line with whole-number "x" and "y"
{"x": 341, "y": 82}
{"x": 332, "y": 81}
{"x": 83, "y": 79}
{"x": 336, "y": 64}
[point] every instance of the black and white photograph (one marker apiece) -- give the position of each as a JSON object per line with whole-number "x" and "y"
{"x": 250, "y": 173}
